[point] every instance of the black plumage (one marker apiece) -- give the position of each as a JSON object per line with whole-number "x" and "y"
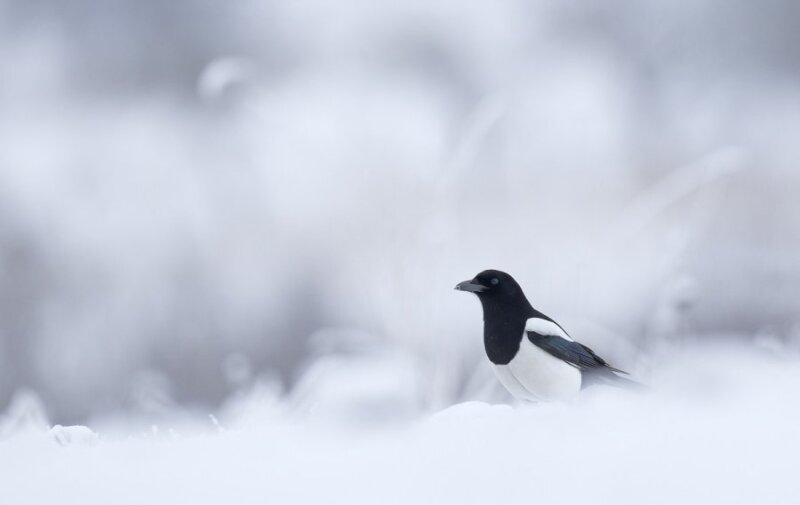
{"x": 594, "y": 369}
{"x": 510, "y": 319}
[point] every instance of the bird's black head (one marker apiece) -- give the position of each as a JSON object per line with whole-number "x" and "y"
{"x": 498, "y": 292}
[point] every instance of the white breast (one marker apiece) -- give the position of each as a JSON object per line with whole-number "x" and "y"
{"x": 535, "y": 375}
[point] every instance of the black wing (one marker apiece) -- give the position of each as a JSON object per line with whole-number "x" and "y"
{"x": 577, "y": 355}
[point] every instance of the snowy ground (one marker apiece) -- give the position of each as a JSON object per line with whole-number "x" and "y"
{"x": 720, "y": 427}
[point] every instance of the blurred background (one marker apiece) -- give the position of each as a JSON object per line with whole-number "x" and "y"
{"x": 207, "y": 201}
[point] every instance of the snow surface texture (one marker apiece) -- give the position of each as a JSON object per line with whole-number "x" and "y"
{"x": 716, "y": 426}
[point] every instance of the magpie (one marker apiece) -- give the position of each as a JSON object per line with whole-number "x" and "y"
{"x": 532, "y": 355}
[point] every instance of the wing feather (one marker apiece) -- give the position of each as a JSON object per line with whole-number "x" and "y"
{"x": 574, "y": 353}
{"x": 548, "y": 335}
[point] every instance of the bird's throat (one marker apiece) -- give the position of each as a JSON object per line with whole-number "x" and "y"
{"x": 504, "y": 321}
{"x": 502, "y": 337}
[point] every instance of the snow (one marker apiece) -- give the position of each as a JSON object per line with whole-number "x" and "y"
{"x": 717, "y": 425}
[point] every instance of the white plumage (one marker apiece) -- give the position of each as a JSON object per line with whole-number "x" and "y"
{"x": 545, "y": 327}
{"x": 540, "y": 362}
{"x": 534, "y": 374}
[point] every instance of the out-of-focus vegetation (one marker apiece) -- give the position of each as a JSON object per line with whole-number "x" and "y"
{"x": 198, "y": 198}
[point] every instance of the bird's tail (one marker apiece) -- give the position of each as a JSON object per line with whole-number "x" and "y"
{"x": 612, "y": 377}
{"x": 624, "y": 382}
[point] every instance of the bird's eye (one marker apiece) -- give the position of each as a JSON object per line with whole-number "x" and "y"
{"x": 495, "y": 281}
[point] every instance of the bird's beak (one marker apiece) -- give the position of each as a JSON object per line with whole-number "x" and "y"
{"x": 470, "y": 286}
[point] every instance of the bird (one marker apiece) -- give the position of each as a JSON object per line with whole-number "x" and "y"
{"x": 532, "y": 355}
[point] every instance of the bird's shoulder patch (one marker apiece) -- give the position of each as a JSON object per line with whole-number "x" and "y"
{"x": 542, "y": 326}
